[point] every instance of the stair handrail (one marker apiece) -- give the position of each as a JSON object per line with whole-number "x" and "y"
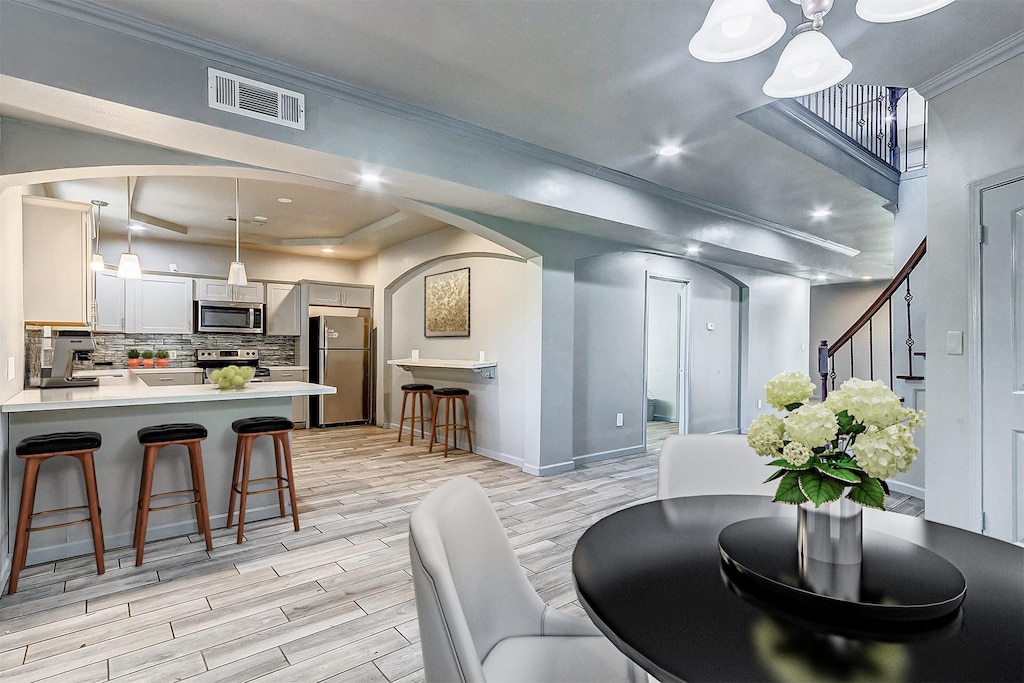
{"x": 886, "y": 294}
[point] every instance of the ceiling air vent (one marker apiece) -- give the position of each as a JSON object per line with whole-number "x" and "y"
{"x": 247, "y": 97}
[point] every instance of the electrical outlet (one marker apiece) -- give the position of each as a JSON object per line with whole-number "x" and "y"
{"x": 173, "y": 355}
{"x": 618, "y": 419}
{"x": 759, "y": 402}
{"x": 10, "y": 368}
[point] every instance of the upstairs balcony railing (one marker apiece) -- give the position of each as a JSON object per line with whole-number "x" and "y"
{"x": 880, "y": 317}
{"x": 889, "y": 122}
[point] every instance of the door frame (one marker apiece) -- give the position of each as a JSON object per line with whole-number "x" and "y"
{"x": 683, "y": 349}
{"x": 976, "y": 482}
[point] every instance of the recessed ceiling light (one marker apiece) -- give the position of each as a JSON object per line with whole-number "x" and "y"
{"x": 820, "y": 213}
{"x": 693, "y": 250}
{"x": 136, "y": 227}
{"x": 260, "y": 218}
{"x": 284, "y": 200}
{"x": 370, "y": 178}
{"x": 866, "y": 277}
{"x": 669, "y": 150}
{"x": 821, "y": 277}
{"x": 327, "y": 250}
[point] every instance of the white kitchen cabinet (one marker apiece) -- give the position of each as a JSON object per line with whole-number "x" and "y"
{"x": 340, "y": 295}
{"x": 159, "y": 304}
{"x": 55, "y": 242}
{"x": 156, "y": 304}
{"x": 300, "y": 404}
{"x": 208, "y": 289}
{"x": 284, "y": 316}
{"x": 171, "y": 379}
{"x": 109, "y": 302}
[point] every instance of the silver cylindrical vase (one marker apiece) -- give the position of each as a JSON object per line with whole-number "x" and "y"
{"x": 830, "y": 548}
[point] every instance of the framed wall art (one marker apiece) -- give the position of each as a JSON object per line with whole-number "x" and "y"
{"x": 446, "y": 304}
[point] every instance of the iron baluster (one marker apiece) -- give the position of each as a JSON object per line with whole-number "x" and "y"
{"x": 871, "y": 348}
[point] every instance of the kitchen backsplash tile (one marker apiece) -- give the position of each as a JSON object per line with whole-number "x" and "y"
{"x": 113, "y": 348}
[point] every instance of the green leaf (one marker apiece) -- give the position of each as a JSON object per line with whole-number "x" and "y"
{"x": 844, "y": 475}
{"x": 819, "y": 488}
{"x": 787, "y": 465}
{"x": 793, "y": 406}
{"x": 778, "y": 473}
{"x": 789, "y": 490}
{"x": 869, "y": 493}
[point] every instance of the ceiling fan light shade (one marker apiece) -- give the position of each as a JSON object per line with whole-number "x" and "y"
{"x": 808, "y": 64}
{"x": 735, "y": 29}
{"x": 887, "y": 11}
{"x": 236, "y": 274}
{"x": 128, "y": 267}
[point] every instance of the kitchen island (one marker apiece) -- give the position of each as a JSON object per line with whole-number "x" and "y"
{"x": 117, "y": 408}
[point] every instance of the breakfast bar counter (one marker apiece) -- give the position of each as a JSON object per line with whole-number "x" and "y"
{"x": 117, "y": 408}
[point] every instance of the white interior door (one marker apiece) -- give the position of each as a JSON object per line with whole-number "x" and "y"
{"x": 666, "y": 349}
{"x": 1002, "y": 360}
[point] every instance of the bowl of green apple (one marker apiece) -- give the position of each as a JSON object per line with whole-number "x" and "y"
{"x": 232, "y": 376}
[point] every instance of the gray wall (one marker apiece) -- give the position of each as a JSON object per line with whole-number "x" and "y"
{"x": 974, "y": 132}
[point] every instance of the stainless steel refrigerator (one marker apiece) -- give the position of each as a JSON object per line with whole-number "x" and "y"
{"x": 340, "y": 356}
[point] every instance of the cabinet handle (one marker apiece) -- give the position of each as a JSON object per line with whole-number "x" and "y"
{"x": 166, "y": 379}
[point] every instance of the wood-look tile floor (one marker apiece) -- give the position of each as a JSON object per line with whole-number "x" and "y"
{"x": 331, "y": 602}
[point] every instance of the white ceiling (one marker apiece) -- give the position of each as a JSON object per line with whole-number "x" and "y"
{"x": 606, "y": 81}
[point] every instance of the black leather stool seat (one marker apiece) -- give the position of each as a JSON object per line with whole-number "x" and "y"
{"x": 451, "y": 391}
{"x": 254, "y": 425}
{"x": 417, "y": 387}
{"x": 184, "y": 431}
{"x": 59, "y": 442}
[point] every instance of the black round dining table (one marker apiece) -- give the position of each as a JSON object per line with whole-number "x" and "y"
{"x": 652, "y": 578}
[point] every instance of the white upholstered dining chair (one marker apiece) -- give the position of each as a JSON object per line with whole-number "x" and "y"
{"x": 479, "y": 617}
{"x": 711, "y": 464}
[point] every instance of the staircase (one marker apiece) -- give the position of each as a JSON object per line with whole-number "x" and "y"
{"x": 859, "y": 353}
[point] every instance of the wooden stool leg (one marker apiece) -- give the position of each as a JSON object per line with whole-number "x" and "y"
{"x": 244, "y": 493}
{"x": 28, "y": 501}
{"x": 195, "y": 456}
{"x": 465, "y": 415}
{"x": 145, "y": 495}
{"x": 236, "y": 470}
{"x": 92, "y": 494}
{"x": 280, "y": 479}
{"x": 449, "y": 407}
{"x": 433, "y": 423}
{"x": 401, "y": 420}
{"x": 286, "y": 447}
{"x": 423, "y": 414}
{"x": 412, "y": 420}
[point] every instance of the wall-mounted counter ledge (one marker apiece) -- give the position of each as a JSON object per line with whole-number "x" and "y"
{"x": 483, "y": 368}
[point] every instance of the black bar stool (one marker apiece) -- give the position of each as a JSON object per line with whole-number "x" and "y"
{"x": 248, "y": 430}
{"x": 34, "y": 451}
{"x": 421, "y": 393}
{"x": 448, "y": 395}
{"x": 153, "y": 439}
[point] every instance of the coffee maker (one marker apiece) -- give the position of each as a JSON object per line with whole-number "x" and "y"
{"x": 69, "y": 345}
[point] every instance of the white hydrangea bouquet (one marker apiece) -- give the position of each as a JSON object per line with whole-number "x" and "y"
{"x": 813, "y": 444}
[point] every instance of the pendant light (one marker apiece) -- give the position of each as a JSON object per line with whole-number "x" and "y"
{"x": 96, "y": 262}
{"x": 128, "y": 266}
{"x": 888, "y": 11}
{"x": 236, "y": 273}
{"x": 808, "y": 64}
{"x": 734, "y": 29}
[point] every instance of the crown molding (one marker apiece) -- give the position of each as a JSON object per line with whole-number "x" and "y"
{"x": 165, "y": 36}
{"x": 994, "y": 55}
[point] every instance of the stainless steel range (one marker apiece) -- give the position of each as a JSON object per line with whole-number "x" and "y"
{"x": 212, "y": 359}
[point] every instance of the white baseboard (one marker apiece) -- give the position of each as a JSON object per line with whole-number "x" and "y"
{"x": 549, "y": 470}
{"x": 605, "y": 455}
{"x": 908, "y": 489}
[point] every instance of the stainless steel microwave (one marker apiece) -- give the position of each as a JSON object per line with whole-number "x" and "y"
{"x": 227, "y": 316}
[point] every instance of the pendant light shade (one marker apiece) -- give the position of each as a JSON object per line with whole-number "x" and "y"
{"x": 96, "y": 262}
{"x": 236, "y": 272}
{"x": 887, "y": 11}
{"x": 128, "y": 266}
{"x": 734, "y": 29}
{"x": 808, "y": 64}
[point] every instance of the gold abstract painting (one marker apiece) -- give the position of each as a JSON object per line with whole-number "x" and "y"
{"x": 446, "y": 304}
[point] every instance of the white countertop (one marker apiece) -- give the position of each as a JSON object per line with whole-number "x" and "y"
{"x": 128, "y": 390}
{"x": 141, "y": 371}
{"x": 443, "y": 363}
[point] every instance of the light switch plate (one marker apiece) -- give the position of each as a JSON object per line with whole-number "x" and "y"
{"x": 954, "y": 343}
{"x": 10, "y": 368}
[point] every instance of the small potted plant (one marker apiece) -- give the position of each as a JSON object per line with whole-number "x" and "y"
{"x": 133, "y": 358}
{"x": 147, "y": 359}
{"x": 161, "y": 357}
